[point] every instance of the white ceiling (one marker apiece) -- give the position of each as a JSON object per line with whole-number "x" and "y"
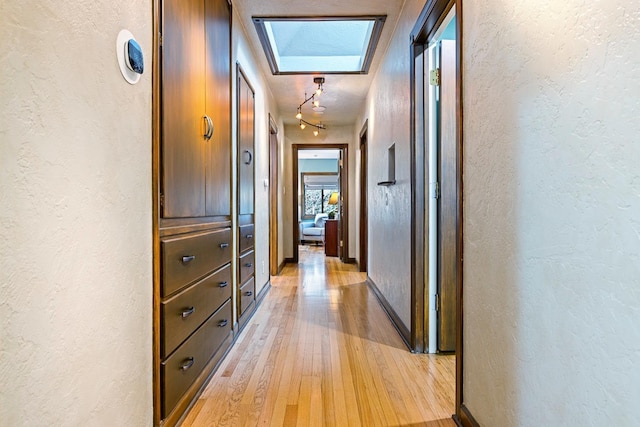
{"x": 318, "y": 154}
{"x": 343, "y": 95}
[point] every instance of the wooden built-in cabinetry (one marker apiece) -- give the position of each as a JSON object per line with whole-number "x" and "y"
{"x": 193, "y": 290}
{"x": 246, "y": 197}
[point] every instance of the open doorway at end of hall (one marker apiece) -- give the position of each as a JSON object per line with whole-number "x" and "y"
{"x": 320, "y": 204}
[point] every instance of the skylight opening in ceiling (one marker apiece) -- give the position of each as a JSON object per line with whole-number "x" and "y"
{"x": 331, "y": 45}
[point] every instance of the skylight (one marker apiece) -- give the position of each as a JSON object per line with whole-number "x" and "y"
{"x": 336, "y": 45}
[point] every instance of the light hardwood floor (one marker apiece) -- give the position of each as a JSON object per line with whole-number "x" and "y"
{"x": 321, "y": 352}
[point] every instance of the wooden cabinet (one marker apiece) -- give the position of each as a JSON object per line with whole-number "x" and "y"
{"x": 196, "y": 119}
{"x": 246, "y": 199}
{"x": 331, "y": 237}
{"x": 193, "y": 292}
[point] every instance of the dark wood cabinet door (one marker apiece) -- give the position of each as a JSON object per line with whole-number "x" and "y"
{"x": 183, "y": 109}
{"x": 245, "y": 146}
{"x": 218, "y": 107}
{"x": 331, "y": 237}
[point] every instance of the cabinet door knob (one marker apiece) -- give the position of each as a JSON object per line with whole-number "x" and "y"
{"x": 188, "y": 312}
{"x": 248, "y": 293}
{"x": 223, "y": 323}
{"x": 223, "y": 284}
{"x": 188, "y": 258}
{"x": 224, "y": 245}
{"x": 248, "y": 265}
{"x": 187, "y": 364}
{"x": 249, "y": 236}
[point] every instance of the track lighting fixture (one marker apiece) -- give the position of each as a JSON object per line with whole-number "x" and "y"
{"x": 316, "y": 104}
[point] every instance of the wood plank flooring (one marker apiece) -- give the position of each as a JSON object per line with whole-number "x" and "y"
{"x": 321, "y": 352}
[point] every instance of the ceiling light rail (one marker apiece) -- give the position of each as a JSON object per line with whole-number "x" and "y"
{"x": 316, "y": 103}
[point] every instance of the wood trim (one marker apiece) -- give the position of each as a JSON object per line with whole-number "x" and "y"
{"x": 273, "y": 197}
{"x": 459, "y": 293}
{"x": 419, "y": 251}
{"x": 155, "y": 180}
{"x": 465, "y": 418}
{"x": 364, "y": 196}
{"x": 391, "y": 314}
{"x": 344, "y": 191}
{"x": 261, "y": 31}
{"x": 263, "y": 292}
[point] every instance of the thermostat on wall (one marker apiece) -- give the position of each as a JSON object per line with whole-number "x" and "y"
{"x": 130, "y": 57}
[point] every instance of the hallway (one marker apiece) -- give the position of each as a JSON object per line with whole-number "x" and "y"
{"x": 320, "y": 351}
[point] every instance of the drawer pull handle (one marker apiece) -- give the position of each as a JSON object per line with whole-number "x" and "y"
{"x": 223, "y": 323}
{"x": 187, "y": 364}
{"x": 188, "y": 312}
{"x": 223, "y": 284}
{"x": 188, "y": 258}
{"x": 248, "y": 293}
{"x": 248, "y": 265}
{"x": 249, "y": 236}
{"x": 224, "y": 245}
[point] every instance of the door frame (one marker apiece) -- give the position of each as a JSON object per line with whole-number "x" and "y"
{"x": 432, "y": 15}
{"x": 363, "y": 255}
{"x": 343, "y": 231}
{"x": 274, "y": 267}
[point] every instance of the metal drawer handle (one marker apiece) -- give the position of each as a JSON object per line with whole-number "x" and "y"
{"x": 248, "y": 293}
{"x": 186, "y": 365}
{"x": 188, "y": 258}
{"x": 224, "y": 245}
{"x": 223, "y": 284}
{"x": 188, "y": 312}
{"x": 248, "y": 265}
{"x": 209, "y": 132}
{"x": 223, "y": 323}
{"x": 248, "y": 158}
{"x": 249, "y": 236}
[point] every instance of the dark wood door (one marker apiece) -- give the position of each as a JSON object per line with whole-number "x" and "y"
{"x": 364, "y": 227}
{"x": 245, "y": 146}
{"x": 183, "y": 109}
{"x": 448, "y": 206}
{"x": 218, "y": 107}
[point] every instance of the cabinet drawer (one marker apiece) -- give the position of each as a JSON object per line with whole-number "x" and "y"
{"x": 181, "y": 369}
{"x": 187, "y": 258}
{"x": 246, "y": 266}
{"x": 247, "y": 295}
{"x": 246, "y": 237}
{"x": 183, "y": 313}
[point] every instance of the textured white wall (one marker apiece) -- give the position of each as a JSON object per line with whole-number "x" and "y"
{"x": 245, "y": 55}
{"x": 552, "y": 212}
{"x": 387, "y": 108}
{"x": 333, "y": 135}
{"x": 75, "y": 222}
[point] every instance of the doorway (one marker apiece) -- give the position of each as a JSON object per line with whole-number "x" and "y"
{"x": 437, "y": 183}
{"x": 274, "y": 267}
{"x": 333, "y": 199}
{"x": 364, "y": 212}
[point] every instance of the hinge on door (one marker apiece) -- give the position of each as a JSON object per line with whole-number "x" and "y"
{"x": 341, "y": 243}
{"x": 340, "y": 163}
{"x": 160, "y": 39}
{"x": 434, "y": 78}
{"x": 437, "y": 302}
{"x": 436, "y": 190}
{"x": 162, "y": 200}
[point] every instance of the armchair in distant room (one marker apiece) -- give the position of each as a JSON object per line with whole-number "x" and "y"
{"x": 313, "y": 231}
